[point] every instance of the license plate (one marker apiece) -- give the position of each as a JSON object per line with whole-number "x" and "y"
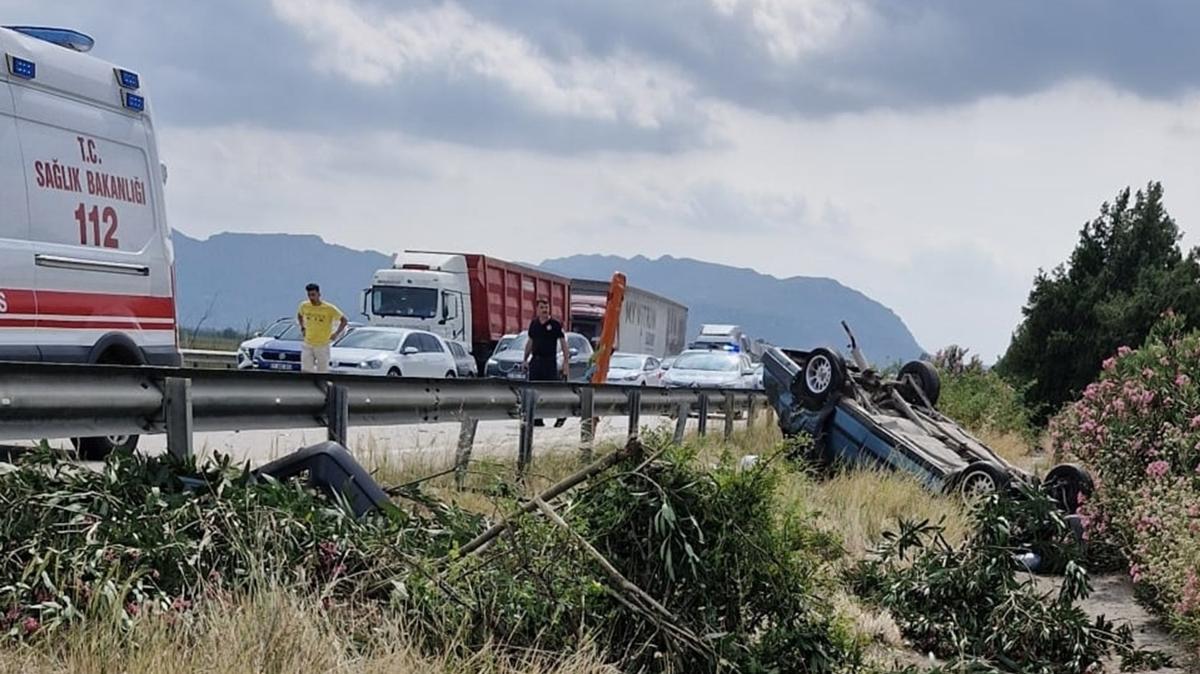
{"x": 281, "y": 366}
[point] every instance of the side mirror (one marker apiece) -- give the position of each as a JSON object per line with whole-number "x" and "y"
{"x": 573, "y": 351}
{"x": 258, "y": 333}
{"x": 409, "y": 350}
{"x": 366, "y": 296}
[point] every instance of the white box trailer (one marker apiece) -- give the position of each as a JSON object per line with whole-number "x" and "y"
{"x": 650, "y": 323}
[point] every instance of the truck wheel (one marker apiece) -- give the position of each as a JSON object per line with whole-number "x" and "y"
{"x": 1065, "y": 483}
{"x": 982, "y": 479}
{"x": 823, "y": 374}
{"x": 925, "y": 376}
{"x": 98, "y": 449}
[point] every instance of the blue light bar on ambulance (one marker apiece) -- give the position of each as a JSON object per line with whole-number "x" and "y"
{"x": 63, "y": 37}
{"x": 134, "y": 102}
{"x": 22, "y": 68}
{"x": 127, "y": 79}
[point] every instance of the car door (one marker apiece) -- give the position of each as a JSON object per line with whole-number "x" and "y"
{"x": 410, "y": 363}
{"x": 650, "y": 371}
{"x": 436, "y": 357}
{"x": 18, "y": 308}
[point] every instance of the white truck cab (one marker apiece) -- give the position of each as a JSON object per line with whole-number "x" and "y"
{"x": 423, "y": 291}
{"x": 85, "y": 252}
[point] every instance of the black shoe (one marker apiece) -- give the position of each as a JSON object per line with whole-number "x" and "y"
{"x": 558, "y": 423}
{"x": 539, "y": 422}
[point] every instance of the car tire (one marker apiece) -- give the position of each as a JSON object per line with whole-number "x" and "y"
{"x": 824, "y": 374}
{"x": 394, "y": 372}
{"x": 99, "y": 448}
{"x": 981, "y": 479}
{"x": 925, "y": 376}
{"x": 450, "y": 375}
{"x": 1065, "y": 483}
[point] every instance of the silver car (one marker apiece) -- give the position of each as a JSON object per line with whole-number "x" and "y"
{"x": 393, "y": 352}
{"x": 719, "y": 369}
{"x": 633, "y": 369}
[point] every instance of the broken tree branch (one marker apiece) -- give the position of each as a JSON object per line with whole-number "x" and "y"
{"x": 632, "y": 448}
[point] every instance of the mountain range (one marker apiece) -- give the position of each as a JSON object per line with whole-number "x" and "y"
{"x": 244, "y": 281}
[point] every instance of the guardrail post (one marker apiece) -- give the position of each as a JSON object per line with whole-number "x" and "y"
{"x": 729, "y": 412}
{"x": 587, "y": 423}
{"x": 528, "y": 415}
{"x": 337, "y": 413}
{"x": 702, "y": 414}
{"x": 634, "y": 398}
{"x": 177, "y": 412}
{"x": 681, "y": 422}
{"x": 462, "y": 457}
{"x": 752, "y": 411}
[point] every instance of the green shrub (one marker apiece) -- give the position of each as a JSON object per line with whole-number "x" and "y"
{"x": 979, "y": 398}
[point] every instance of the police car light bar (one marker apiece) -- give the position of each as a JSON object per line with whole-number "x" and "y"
{"x": 63, "y": 37}
{"x": 127, "y": 79}
{"x": 22, "y": 68}
{"x": 134, "y": 102}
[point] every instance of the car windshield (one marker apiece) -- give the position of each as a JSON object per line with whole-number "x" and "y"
{"x": 514, "y": 343}
{"x": 382, "y": 340}
{"x": 291, "y": 334}
{"x": 278, "y": 327}
{"x": 625, "y": 362}
{"x": 402, "y": 301}
{"x": 709, "y": 362}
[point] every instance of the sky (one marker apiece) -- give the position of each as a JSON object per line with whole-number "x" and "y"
{"x": 933, "y": 154}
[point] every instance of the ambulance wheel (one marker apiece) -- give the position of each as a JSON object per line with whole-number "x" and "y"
{"x": 982, "y": 479}
{"x": 824, "y": 373}
{"x": 98, "y": 449}
{"x": 926, "y": 377}
{"x": 1065, "y": 483}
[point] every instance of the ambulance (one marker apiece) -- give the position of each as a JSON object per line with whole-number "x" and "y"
{"x": 86, "y": 273}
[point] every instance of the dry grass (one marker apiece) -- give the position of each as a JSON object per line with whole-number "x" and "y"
{"x": 860, "y": 505}
{"x": 273, "y": 631}
{"x": 1017, "y": 450}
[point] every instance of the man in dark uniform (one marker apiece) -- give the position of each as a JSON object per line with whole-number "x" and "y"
{"x": 545, "y": 333}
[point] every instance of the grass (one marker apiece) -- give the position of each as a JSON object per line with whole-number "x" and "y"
{"x": 274, "y": 630}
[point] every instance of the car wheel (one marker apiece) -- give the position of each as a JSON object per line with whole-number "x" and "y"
{"x": 1065, "y": 483}
{"x": 450, "y": 375}
{"x": 98, "y": 449}
{"x": 925, "y": 376}
{"x": 394, "y": 372}
{"x": 982, "y": 479}
{"x": 824, "y": 373}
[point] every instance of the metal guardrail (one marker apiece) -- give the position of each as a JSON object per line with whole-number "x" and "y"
{"x": 46, "y": 400}
{"x": 200, "y": 358}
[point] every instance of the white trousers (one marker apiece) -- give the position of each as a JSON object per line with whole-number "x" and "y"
{"x": 314, "y": 358}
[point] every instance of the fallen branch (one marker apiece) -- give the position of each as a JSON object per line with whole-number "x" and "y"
{"x": 632, "y": 448}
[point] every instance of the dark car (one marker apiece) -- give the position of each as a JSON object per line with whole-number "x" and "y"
{"x": 283, "y": 352}
{"x": 508, "y": 361}
{"x": 858, "y": 417}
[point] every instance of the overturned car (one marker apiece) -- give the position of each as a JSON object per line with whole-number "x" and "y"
{"x": 857, "y": 417}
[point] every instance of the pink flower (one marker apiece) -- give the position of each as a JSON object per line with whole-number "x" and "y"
{"x": 1195, "y": 423}
{"x": 1108, "y": 364}
{"x": 1182, "y": 380}
{"x": 1157, "y": 469}
{"x": 1123, "y": 350}
{"x": 31, "y": 625}
{"x": 132, "y": 608}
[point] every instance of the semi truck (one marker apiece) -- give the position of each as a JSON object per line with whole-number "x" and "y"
{"x": 463, "y": 297}
{"x": 650, "y": 323}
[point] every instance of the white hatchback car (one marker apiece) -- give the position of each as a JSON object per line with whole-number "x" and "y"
{"x": 392, "y": 352}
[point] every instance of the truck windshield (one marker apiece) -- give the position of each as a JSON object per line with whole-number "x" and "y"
{"x": 401, "y": 301}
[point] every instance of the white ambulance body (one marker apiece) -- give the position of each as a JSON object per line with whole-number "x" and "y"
{"x": 86, "y": 270}
{"x": 85, "y": 254}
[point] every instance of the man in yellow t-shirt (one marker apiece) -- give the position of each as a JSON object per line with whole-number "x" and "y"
{"x": 316, "y": 324}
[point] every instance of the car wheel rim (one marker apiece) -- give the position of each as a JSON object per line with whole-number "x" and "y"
{"x": 818, "y": 374}
{"x": 978, "y": 485}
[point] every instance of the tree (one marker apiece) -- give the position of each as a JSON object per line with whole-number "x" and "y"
{"x": 1126, "y": 271}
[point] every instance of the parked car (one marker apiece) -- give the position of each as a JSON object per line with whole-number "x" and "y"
{"x": 756, "y": 379}
{"x": 249, "y": 348}
{"x": 858, "y": 417}
{"x": 710, "y": 368}
{"x": 663, "y": 366}
{"x": 464, "y": 362}
{"x": 509, "y": 362}
{"x": 392, "y": 352}
{"x": 633, "y": 369}
{"x": 283, "y": 352}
